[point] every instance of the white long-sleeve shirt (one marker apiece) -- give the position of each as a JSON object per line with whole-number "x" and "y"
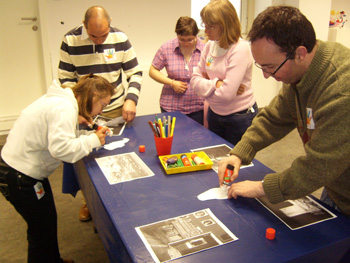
{"x": 45, "y": 134}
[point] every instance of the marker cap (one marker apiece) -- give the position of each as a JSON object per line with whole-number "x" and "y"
{"x": 142, "y": 148}
{"x": 270, "y": 233}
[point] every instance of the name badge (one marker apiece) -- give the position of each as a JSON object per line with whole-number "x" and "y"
{"x": 110, "y": 54}
{"x": 310, "y": 119}
{"x": 209, "y": 62}
{"x": 39, "y": 190}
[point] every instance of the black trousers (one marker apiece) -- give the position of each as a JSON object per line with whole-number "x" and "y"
{"x": 40, "y": 214}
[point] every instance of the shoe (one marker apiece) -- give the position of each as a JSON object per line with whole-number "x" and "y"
{"x": 84, "y": 214}
{"x": 67, "y": 260}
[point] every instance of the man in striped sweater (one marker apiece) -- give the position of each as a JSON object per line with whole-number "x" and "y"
{"x": 96, "y": 47}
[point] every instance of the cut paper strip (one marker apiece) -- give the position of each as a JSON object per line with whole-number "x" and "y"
{"x": 116, "y": 144}
{"x": 214, "y": 193}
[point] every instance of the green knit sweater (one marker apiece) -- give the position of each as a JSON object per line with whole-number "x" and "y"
{"x": 319, "y": 106}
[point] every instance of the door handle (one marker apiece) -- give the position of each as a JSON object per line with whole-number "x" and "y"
{"x": 30, "y": 18}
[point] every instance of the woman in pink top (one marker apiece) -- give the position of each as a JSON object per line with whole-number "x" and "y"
{"x": 225, "y": 64}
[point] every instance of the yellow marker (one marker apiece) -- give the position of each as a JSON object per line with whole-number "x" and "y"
{"x": 161, "y": 128}
{"x": 172, "y": 126}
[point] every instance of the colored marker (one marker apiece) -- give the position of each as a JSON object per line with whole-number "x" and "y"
{"x": 173, "y": 126}
{"x": 161, "y": 128}
{"x": 169, "y": 125}
{"x": 153, "y": 129}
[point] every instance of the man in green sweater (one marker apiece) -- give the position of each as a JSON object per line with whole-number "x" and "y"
{"x": 315, "y": 99}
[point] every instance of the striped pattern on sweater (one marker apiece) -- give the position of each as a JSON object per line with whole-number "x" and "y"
{"x": 114, "y": 58}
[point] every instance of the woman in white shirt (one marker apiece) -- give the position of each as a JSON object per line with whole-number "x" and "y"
{"x": 44, "y": 135}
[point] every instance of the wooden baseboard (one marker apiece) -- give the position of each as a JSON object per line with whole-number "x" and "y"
{"x": 6, "y": 124}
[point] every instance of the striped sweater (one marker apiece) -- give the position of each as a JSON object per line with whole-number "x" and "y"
{"x": 79, "y": 56}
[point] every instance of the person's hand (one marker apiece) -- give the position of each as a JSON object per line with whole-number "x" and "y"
{"x": 101, "y": 134}
{"x": 241, "y": 89}
{"x": 205, "y": 75}
{"x": 84, "y": 121}
{"x": 218, "y": 84}
{"x": 129, "y": 110}
{"x": 251, "y": 189}
{"x": 233, "y": 160}
{"x": 179, "y": 86}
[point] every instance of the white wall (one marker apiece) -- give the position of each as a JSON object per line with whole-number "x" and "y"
{"x": 150, "y": 23}
{"x": 318, "y": 14}
{"x": 147, "y": 24}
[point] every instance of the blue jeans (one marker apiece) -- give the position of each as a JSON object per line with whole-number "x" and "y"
{"x": 327, "y": 200}
{"x": 231, "y": 127}
{"x": 40, "y": 215}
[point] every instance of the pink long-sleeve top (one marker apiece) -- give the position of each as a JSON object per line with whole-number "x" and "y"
{"x": 234, "y": 67}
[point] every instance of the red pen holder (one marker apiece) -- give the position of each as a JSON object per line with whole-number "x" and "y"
{"x": 163, "y": 145}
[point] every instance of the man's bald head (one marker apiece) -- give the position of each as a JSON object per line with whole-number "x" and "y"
{"x": 97, "y": 22}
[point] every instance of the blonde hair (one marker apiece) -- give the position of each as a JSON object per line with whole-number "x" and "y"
{"x": 223, "y": 13}
{"x": 87, "y": 88}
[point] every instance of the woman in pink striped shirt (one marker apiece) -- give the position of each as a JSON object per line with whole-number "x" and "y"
{"x": 179, "y": 56}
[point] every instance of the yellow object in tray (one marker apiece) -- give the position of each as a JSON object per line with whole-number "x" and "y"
{"x": 181, "y": 165}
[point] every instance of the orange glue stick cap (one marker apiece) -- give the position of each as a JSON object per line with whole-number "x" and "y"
{"x": 270, "y": 233}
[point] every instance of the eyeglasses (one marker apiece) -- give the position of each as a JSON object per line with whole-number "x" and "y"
{"x": 280, "y": 66}
{"x": 103, "y": 104}
{"x": 207, "y": 27}
{"x": 186, "y": 40}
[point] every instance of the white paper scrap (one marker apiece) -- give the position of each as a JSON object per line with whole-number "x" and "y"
{"x": 214, "y": 193}
{"x": 116, "y": 144}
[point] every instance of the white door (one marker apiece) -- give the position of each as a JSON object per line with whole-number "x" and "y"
{"x": 21, "y": 59}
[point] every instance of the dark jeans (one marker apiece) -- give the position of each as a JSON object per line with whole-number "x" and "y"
{"x": 40, "y": 215}
{"x": 231, "y": 127}
{"x": 197, "y": 116}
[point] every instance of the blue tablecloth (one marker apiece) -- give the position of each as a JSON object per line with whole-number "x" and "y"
{"x": 119, "y": 208}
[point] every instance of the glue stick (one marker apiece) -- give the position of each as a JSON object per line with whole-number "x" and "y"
{"x": 108, "y": 132}
{"x": 185, "y": 160}
{"x": 196, "y": 159}
{"x": 228, "y": 174}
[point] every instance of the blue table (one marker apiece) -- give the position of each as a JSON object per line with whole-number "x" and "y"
{"x": 117, "y": 209}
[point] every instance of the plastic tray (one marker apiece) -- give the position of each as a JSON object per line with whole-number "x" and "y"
{"x": 208, "y": 164}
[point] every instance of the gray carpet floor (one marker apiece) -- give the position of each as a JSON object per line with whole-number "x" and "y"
{"x": 77, "y": 240}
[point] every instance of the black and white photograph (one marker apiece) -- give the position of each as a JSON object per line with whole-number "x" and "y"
{"x": 216, "y": 153}
{"x": 298, "y": 213}
{"x": 184, "y": 235}
{"x": 123, "y": 167}
{"x": 117, "y": 125}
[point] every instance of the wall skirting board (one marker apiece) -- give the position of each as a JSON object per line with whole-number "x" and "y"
{"x": 6, "y": 124}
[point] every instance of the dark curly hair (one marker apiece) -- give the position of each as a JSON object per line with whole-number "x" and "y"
{"x": 286, "y": 26}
